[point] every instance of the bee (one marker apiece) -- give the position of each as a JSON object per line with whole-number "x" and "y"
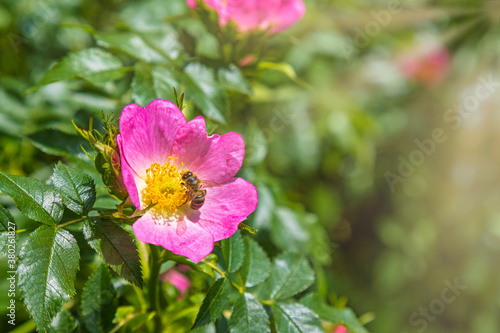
{"x": 194, "y": 190}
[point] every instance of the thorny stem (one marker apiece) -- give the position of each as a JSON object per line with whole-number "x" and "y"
{"x": 153, "y": 287}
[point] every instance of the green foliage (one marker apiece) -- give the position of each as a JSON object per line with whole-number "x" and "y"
{"x": 232, "y": 79}
{"x": 151, "y": 82}
{"x": 201, "y": 84}
{"x": 5, "y": 218}
{"x": 116, "y": 247}
{"x": 94, "y": 65}
{"x": 256, "y": 266}
{"x": 99, "y": 301}
{"x": 152, "y": 47}
{"x": 55, "y": 142}
{"x": 34, "y": 199}
{"x": 299, "y": 231}
{"x": 306, "y": 151}
{"x": 290, "y": 274}
{"x": 330, "y": 314}
{"x": 76, "y": 188}
{"x": 249, "y": 316}
{"x": 295, "y": 318}
{"x": 47, "y": 269}
{"x": 214, "y": 303}
{"x": 64, "y": 322}
{"x": 232, "y": 249}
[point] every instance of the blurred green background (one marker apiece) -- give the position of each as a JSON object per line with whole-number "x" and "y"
{"x": 331, "y": 148}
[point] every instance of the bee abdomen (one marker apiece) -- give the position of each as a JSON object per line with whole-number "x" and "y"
{"x": 198, "y": 200}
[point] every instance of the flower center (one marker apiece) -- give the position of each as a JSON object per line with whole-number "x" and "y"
{"x": 164, "y": 187}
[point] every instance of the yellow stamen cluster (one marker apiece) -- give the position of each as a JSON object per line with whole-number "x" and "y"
{"x": 164, "y": 187}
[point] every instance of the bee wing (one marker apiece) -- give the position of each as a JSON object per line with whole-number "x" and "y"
{"x": 207, "y": 183}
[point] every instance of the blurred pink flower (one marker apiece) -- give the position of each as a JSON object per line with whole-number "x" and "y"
{"x": 157, "y": 145}
{"x": 178, "y": 280}
{"x": 275, "y": 15}
{"x": 428, "y": 66}
{"x": 339, "y": 329}
{"x": 247, "y": 60}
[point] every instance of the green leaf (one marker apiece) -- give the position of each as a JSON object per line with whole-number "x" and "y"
{"x": 255, "y": 147}
{"x": 265, "y": 209}
{"x": 231, "y": 79}
{"x": 137, "y": 322}
{"x": 77, "y": 188}
{"x": 154, "y": 47}
{"x": 7, "y": 223}
{"x": 49, "y": 260}
{"x": 285, "y": 69}
{"x": 200, "y": 84}
{"x": 34, "y": 199}
{"x": 290, "y": 275}
{"x": 94, "y": 65}
{"x": 55, "y": 142}
{"x": 151, "y": 82}
{"x": 232, "y": 250}
{"x": 5, "y": 218}
{"x": 116, "y": 247}
{"x": 300, "y": 231}
{"x": 64, "y": 322}
{"x": 256, "y": 266}
{"x": 214, "y": 303}
{"x": 333, "y": 315}
{"x": 288, "y": 232}
{"x": 295, "y": 318}
{"x": 249, "y": 316}
{"x": 99, "y": 301}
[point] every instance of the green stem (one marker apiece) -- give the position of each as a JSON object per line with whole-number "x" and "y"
{"x": 153, "y": 287}
{"x": 241, "y": 289}
{"x": 72, "y": 221}
{"x": 266, "y": 302}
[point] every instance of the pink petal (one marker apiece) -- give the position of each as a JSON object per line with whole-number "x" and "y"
{"x": 182, "y": 237}
{"x": 225, "y": 207}
{"x": 248, "y": 14}
{"x": 340, "y": 329}
{"x": 178, "y": 280}
{"x": 129, "y": 178}
{"x": 288, "y": 14}
{"x": 221, "y": 160}
{"x": 192, "y": 141}
{"x": 220, "y": 7}
{"x": 191, "y": 3}
{"x": 148, "y": 133}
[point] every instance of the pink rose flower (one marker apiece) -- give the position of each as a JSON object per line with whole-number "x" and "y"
{"x": 428, "y": 66}
{"x": 157, "y": 146}
{"x": 177, "y": 279}
{"x": 248, "y": 15}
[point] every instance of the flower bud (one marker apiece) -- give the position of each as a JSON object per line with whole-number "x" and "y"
{"x": 107, "y": 160}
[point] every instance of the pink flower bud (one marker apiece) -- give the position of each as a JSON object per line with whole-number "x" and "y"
{"x": 177, "y": 279}
{"x": 340, "y": 329}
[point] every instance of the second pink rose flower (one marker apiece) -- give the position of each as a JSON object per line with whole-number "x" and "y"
{"x": 275, "y": 15}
